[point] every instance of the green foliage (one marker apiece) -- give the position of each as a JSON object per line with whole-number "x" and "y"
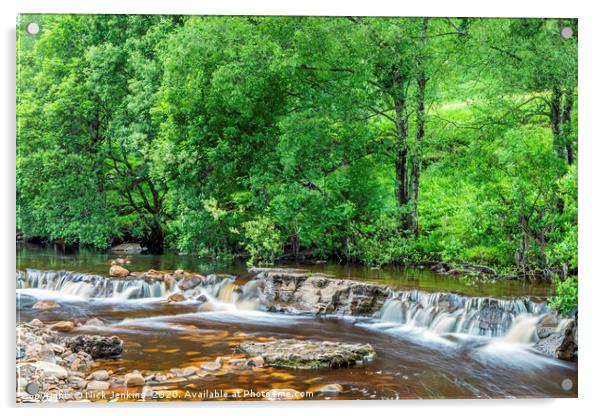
{"x": 566, "y": 298}
{"x": 298, "y": 136}
{"x": 263, "y": 241}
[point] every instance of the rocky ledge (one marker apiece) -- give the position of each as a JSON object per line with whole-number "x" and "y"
{"x": 319, "y": 293}
{"x": 299, "y": 354}
{"x": 557, "y": 337}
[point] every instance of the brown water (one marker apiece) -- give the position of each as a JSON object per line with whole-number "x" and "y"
{"x": 411, "y": 362}
{"x": 35, "y": 257}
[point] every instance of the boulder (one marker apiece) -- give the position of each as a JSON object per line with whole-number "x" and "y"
{"x": 301, "y": 354}
{"x": 170, "y": 282}
{"x": 190, "y": 281}
{"x": 45, "y": 305}
{"x": 560, "y": 342}
{"x": 95, "y": 345}
{"x": 176, "y": 297}
{"x": 63, "y": 326}
{"x": 153, "y": 274}
{"x": 134, "y": 379}
{"x": 118, "y": 271}
{"x": 319, "y": 293}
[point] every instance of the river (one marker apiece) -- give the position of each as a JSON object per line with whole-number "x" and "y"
{"x": 419, "y": 354}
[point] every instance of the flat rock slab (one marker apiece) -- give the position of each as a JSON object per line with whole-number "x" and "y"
{"x": 300, "y": 354}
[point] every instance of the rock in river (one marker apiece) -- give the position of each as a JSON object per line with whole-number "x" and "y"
{"x": 176, "y": 297}
{"x": 134, "y": 379}
{"x": 559, "y": 342}
{"x": 190, "y": 281}
{"x": 318, "y": 293}
{"x": 100, "y": 375}
{"x": 63, "y": 326}
{"x": 98, "y": 385}
{"x": 301, "y": 354}
{"x": 118, "y": 271}
{"x": 46, "y": 304}
{"x": 95, "y": 345}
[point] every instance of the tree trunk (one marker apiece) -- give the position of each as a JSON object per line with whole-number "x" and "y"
{"x": 556, "y": 119}
{"x": 155, "y": 239}
{"x": 567, "y": 126}
{"x": 401, "y": 146}
{"x": 420, "y": 122}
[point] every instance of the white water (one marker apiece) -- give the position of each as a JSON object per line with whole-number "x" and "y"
{"x": 444, "y": 313}
{"x": 420, "y": 314}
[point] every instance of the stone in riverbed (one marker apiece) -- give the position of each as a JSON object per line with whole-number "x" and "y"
{"x": 176, "y": 297}
{"x": 128, "y": 248}
{"x": 100, "y": 375}
{"x": 45, "y": 305}
{"x": 51, "y": 370}
{"x": 36, "y": 323}
{"x": 256, "y": 362}
{"x": 300, "y": 354}
{"x": 98, "y": 385}
{"x": 95, "y": 345}
{"x": 326, "y": 388}
{"x": 118, "y": 271}
{"x": 134, "y": 379}
{"x": 190, "y": 281}
{"x": 212, "y": 365}
{"x": 95, "y": 322}
{"x": 560, "y": 342}
{"x": 63, "y": 326}
{"x": 153, "y": 274}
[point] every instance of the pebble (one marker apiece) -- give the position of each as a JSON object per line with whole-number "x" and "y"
{"x": 133, "y": 379}
{"x": 100, "y": 375}
{"x": 98, "y": 385}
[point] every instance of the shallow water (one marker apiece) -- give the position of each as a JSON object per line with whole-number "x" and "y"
{"x": 411, "y": 361}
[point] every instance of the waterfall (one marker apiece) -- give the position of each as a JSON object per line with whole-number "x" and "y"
{"x": 89, "y": 286}
{"x": 451, "y": 313}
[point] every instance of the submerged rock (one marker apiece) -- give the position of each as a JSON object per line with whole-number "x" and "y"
{"x": 128, "y": 248}
{"x": 176, "y": 297}
{"x": 95, "y": 345}
{"x": 63, "y": 326}
{"x": 300, "y": 354}
{"x": 326, "y": 388}
{"x": 45, "y": 305}
{"x": 118, "y": 271}
{"x": 212, "y": 365}
{"x": 95, "y": 322}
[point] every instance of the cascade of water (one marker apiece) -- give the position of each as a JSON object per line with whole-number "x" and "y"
{"x": 448, "y": 313}
{"x": 89, "y": 286}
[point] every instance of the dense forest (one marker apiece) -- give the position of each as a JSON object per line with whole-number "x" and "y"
{"x": 374, "y": 140}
